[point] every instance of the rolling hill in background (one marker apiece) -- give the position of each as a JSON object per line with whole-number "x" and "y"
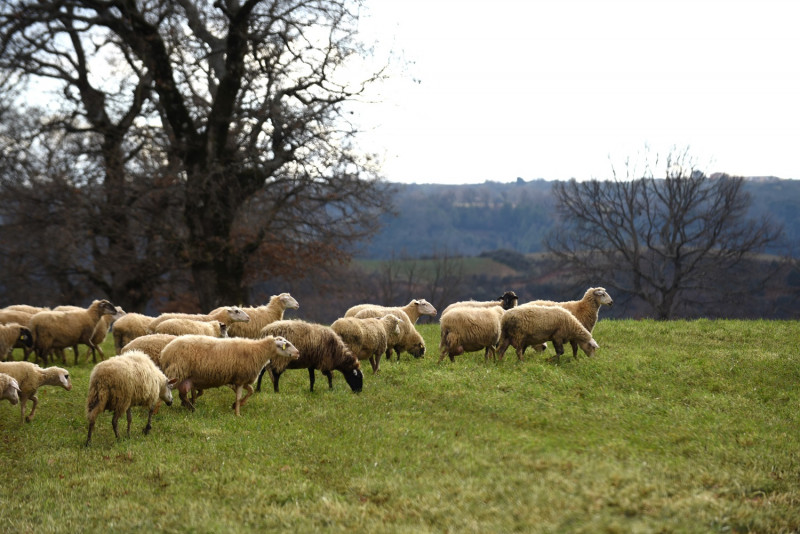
{"x": 470, "y": 219}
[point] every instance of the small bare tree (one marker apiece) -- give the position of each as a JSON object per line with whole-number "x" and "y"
{"x": 672, "y": 242}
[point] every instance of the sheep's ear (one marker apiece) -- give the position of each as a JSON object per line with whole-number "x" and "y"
{"x": 171, "y": 383}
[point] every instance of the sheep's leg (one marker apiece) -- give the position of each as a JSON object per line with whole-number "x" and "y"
{"x": 275, "y": 379}
{"x": 311, "y": 378}
{"x": 91, "y": 429}
{"x": 238, "y": 400}
{"x": 22, "y": 403}
{"x": 520, "y": 348}
{"x": 129, "y": 416}
{"x": 559, "y": 346}
{"x": 114, "y": 420}
{"x": 261, "y": 375}
{"x": 183, "y": 391}
{"x": 35, "y": 400}
{"x": 249, "y": 389}
{"x": 150, "y": 413}
{"x": 330, "y": 378}
{"x": 374, "y": 361}
{"x": 502, "y": 347}
{"x": 574, "y": 349}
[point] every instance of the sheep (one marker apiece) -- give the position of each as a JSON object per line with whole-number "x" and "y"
{"x": 182, "y": 327}
{"x": 468, "y": 329}
{"x": 202, "y": 362}
{"x": 99, "y": 335}
{"x": 54, "y": 330}
{"x": 227, "y": 315}
{"x": 261, "y": 316}
{"x": 409, "y": 341}
{"x": 30, "y": 378}
{"x": 150, "y": 344}
{"x": 13, "y": 335}
{"x": 30, "y": 310}
{"x": 586, "y": 310}
{"x": 531, "y": 325}
{"x": 129, "y": 327}
{"x": 368, "y": 338}
{"x": 21, "y": 317}
{"x": 507, "y": 300}
{"x": 118, "y": 384}
{"x": 413, "y": 309}
{"x": 9, "y": 389}
{"x": 320, "y": 348}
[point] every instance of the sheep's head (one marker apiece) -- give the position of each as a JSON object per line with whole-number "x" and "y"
{"x": 25, "y": 337}
{"x": 424, "y": 307}
{"x": 11, "y": 392}
{"x": 509, "y": 300}
{"x": 418, "y": 350}
{"x": 237, "y": 315}
{"x": 165, "y": 393}
{"x": 541, "y": 347}
{"x": 105, "y": 307}
{"x": 288, "y": 302}
{"x": 601, "y": 297}
{"x": 285, "y": 348}
{"x": 589, "y": 347}
{"x": 223, "y": 329}
{"x": 354, "y": 378}
{"x": 58, "y": 376}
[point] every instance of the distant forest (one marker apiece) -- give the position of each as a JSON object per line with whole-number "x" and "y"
{"x": 469, "y": 220}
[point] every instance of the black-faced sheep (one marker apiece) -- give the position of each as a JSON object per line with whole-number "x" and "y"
{"x": 369, "y": 338}
{"x": 226, "y": 315}
{"x": 507, "y": 300}
{"x": 528, "y": 325}
{"x": 586, "y": 310}
{"x": 150, "y": 344}
{"x": 118, "y": 384}
{"x": 58, "y": 330}
{"x": 202, "y": 362}
{"x": 13, "y": 335}
{"x": 129, "y": 327}
{"x": 30, "y": 377}
{"x": 183, "y": 327}
{"x": 261, "y": 316}
{"x": 320, "y": 348}
{"x": 9, "y": 389}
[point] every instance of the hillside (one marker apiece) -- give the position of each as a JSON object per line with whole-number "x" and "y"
{"x": 470, "y": 219}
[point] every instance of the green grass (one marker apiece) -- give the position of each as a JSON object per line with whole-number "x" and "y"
{"x": 682, "y": 426}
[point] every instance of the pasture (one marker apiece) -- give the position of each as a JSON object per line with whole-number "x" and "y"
{"x": 680, "y": 426}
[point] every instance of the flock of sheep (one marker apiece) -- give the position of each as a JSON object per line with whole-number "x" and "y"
{"x": 235, "y": 346}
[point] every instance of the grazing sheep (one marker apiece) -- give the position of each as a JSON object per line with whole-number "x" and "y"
{"x": 531, "y": 325}
{"x": 183, "y": 327}
{"x": 261, "y": 316}
{"x": 202, "y": 362}
{"x": 118, "y": 384}
{"x": 409, "y": 341}
{"x": 507, "y": 300}
{"x": 13, "y": 335}
{"x": 128, "y": 327}
{"x": 586, "y": 310}
{"x": 368, "y": 338}
{"x": 150, "y": 344}
{"x": 9, "y": 389}
{"x": 57, "y": 330}
{"x": 227, "y": 315}
{"x": 320, "y": 348}
{"x": 30, "y": 378}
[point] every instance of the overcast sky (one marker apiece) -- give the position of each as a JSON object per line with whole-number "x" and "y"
{"x": 554, "y": 89}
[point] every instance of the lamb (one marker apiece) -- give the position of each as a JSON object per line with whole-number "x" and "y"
{"x": 586, "y": 310}
{"x": 57, "y": 330}
{"x": 261, "y": 316}
{"x": 150, "y": 344}
{"x": 507, "y": 300}
{"x": 13, "y": 335}
{"x": 118, "y": 384}
{"x": 129, "y": 327}
{"x": 409, "y": 341}
{"x": 30, "y": 378}
{"x": 530, "y": 325}
{"x": 9, "y": 389}
{"x": 227, "y": 315}
{"x": 468, "y": 329}
{"x": 368, "y": 338}
{"x": 320, "y": 348}
{"x": 182, "y": 327}
{"x": 202, "y": 362}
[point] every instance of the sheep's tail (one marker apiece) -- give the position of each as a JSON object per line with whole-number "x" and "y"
{"x": 96, "y": 401}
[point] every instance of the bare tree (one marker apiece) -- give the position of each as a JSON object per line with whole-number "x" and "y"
{"x": 250, "y": 97}
{"x": 672, "y": 242}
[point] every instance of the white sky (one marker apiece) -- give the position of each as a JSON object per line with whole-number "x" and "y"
{"x": 554, "y": 89}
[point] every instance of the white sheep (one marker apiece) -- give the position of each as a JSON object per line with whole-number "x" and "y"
{"x": 30, "y": 310}
{"x": 320, "y": 348}
{"x": 226, "y": 314}
{"x": 410, "y": 340}
{"x": 183, "y": 327}
{"x": 56, "y": 330}
{"x": 150, "y": 344}
{"x": 128, "y": 327}
{"x": 21, "y": 317}
{"x": 99, "y": 335}
{"x": 528, "y": 325}
{"x": 261, "y": 316}
{"x": 469, "y": 329}
{"x": 586, "y": 310}
{"x": 202, "y": 362}
{"x": 30, "y": 377}
{"x": 414, "y": 309}
{"x": 119, "y": 383}
{"x": 13, "y": 335}
{"x": 9, "y": 389}
{"x": 369, "y": 338}
{"x": 507, "y": 300}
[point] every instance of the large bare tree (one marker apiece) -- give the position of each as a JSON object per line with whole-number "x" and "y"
{"x": 250, "y": 97}
{"x": 682, "y": 239}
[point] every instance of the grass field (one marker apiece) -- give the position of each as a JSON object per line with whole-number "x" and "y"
{"x": 682, "y": 426}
